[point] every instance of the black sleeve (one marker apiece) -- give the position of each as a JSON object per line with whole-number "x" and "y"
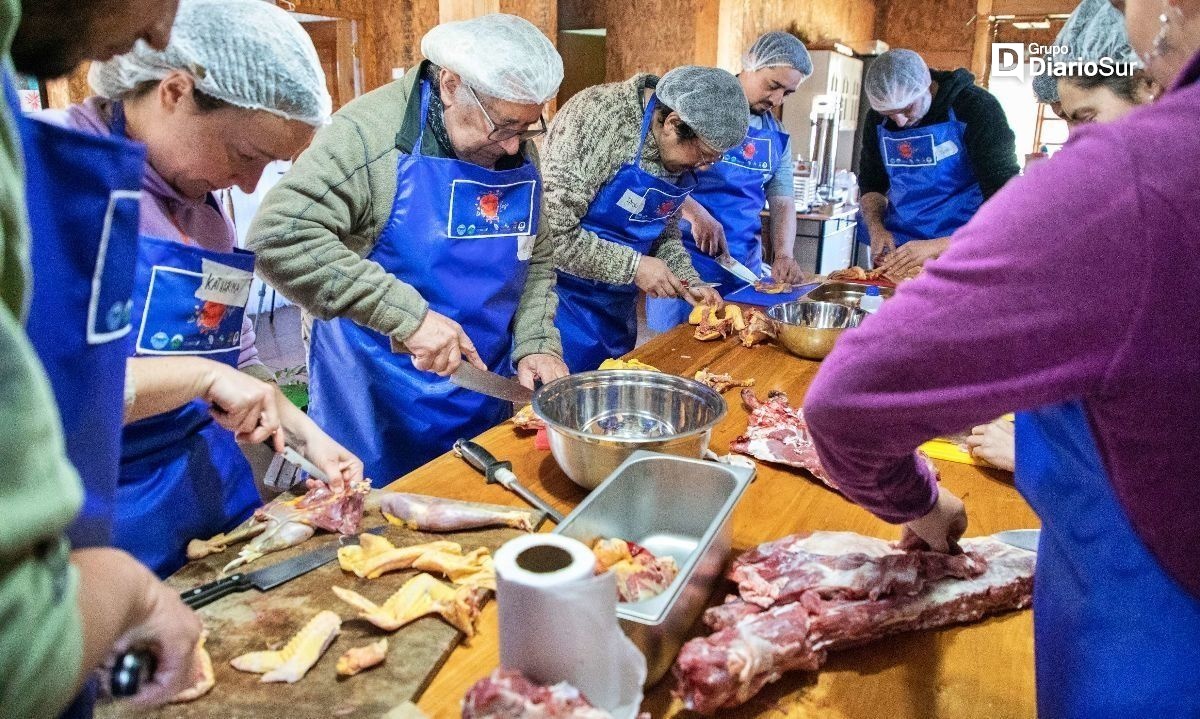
{"x": 872, "y": 176}
{"x": 991, "y": 144}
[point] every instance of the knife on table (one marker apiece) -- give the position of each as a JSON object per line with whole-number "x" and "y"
{"x": 270, "y": 577}
{"x": 1021, "y": 538}
{"x": 468, "y": 376}
{"x": 497, "y": 471}
{"x": 737, "y": 269}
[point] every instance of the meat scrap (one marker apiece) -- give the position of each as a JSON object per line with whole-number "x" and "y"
{"x": 721, "y": 382}
{"x": 855, "y": 274}
{"x": 302, "y": 651}
{"x": 715, "y": 323}
{"x": 631, "y": 363}
{"x": 640, "y": 575}
{"x": 507, "y": 694}
{"x": 771, "y": 287}
{"x": 759, "y": 329}
{"x": 204, "y": 679}
{"x": 359, "y": 659}
{"x": 433, "y": 514}
{"x": 525, "y": 419}
{"x": 375, "y": 556}
{"x": 416, "y": 598}
{"x": 778, "y": 433}
{"x": 845, "y": 590}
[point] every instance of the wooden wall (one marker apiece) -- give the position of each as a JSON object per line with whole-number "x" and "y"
{"x": 819, "y": 21}
{"x": 942, "y": 31}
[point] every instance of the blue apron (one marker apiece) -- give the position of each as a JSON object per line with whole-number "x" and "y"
{"x": 734, "y": 190}
{"x": 1115, "y": 635}
{"x": 462, "y": 236}
{"x": 932, "y": 188}
{"x": 183, "y": 476}
{"x": 83, "y": 193}
{"x": 598, "y": 320}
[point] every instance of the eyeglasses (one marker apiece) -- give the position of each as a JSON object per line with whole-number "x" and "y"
{"x": 707, "y": 155}
{"x": 500, "y": 134}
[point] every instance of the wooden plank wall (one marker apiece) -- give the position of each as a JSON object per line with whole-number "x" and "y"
{"x": 942, "y": 31}
{"x": 820, "y": 21}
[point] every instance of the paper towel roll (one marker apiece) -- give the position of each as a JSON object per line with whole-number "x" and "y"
{"x": 558, "y": 622}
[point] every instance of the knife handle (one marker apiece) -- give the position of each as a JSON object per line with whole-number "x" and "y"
{"x": 130, "y": 671}
{"x": 480, "y": 458}
{"x": 206, "y": 594}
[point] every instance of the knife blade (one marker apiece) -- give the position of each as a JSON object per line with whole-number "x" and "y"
{"x": 1022, "y": 538}
{"x": 468, "y": 376}
{"x": 501, "y": 472}
{"x": 737, "y": 269}
{"x": 270, "y": 577}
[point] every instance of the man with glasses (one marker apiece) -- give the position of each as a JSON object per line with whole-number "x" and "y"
{"x": 619, "y": 162}
{"x": 410, "y": 231}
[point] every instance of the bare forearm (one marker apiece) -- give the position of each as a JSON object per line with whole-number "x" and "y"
{"x": 161, "y": 384}
{"x": 783, "y": 225}
{"x": 117, "y": 578}
{"x": 873, "y": 207}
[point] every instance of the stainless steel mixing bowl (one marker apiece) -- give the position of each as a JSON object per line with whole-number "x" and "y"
{"x": 810, "y": 329}
{"x": 595, "y": 420}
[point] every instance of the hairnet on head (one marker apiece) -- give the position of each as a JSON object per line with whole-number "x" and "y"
{"x": 778, "y": 49}
{"x": 499, "y": 55}
{"x": 710, "y": 101}
{"x": 248, "y": 53}
{"x": 1096, "y": 30}
{"x": 895, "y": 79}
{"x": 1045, "y": 88}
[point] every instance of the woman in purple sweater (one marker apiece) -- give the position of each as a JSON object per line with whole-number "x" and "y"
{"x": 1073, "y": 294}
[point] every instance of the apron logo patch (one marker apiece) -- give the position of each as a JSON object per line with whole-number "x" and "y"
{"x": 478, "y": 210}
{"x": 489, "y": 206}
{"x": 906, "y": 150}
{"x": 753, "y": 154}
{"x": 656, "y": 205}
{"x": 749, "y": 151}
{"x": 176, "y": 319}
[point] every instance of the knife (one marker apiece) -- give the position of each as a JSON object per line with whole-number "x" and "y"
{"x": 497, "y": 471}
{"x": 737, "y": 269}
{"x": 291, "y": 455}
{"x": 468, "y": 376}
{"x": 270, "y": 577}
{"x": 1021, "y": 538}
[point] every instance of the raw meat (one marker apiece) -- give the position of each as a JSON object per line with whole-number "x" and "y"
{"x": 506, "y": 694}
{"x": 855, "y": 274}
{"x": 358, "y": 659}
{"x": 759, "y": 329}
{"x": 417, "y": 597}
{"x": 771, "y": 287}
{"x": 778, "y": 433}
{"x": 323, "y": 508}
{"x": 753, "y": 646}
{"x": 527, "y": 420}
{"x": 302, "y": 651}
{"x": 721, "y": 382}
{"x": 375, "y": 556}
{"x": 640, "y": 574}
{"x": 432, "y": 514}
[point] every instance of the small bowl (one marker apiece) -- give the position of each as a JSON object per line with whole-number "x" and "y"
{"x": 810, "y": 329}
{"x": 595, "y": 420}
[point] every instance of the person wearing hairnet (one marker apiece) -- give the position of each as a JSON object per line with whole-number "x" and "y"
{"x": 1094, "y": 32}
{"x": 620, "y": 162}
{"x": 941, "y": 146}
{"x": 1108, "y": 383}
{"x": 411, "y": 230}
{"x": 238, "y": 86}
{"x": 722, "y": 215}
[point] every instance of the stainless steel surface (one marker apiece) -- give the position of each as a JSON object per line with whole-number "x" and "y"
{"x": 468, "y": 376}
{"x": 1023, "y": 538}
{"x": 595, "y": 420}
{"x": 845, "y": 293}
{"x": 674, "y": 507}
{"x": 501, "y": 471}
{"x": 737, "y": 269}
{"x": 809, "y": 329}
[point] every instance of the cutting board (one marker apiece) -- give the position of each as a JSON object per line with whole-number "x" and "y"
{"x": 748, "y": 295}
{"x": 253, "y": 620}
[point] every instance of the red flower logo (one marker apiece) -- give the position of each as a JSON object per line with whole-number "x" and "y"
{"x": 489, "y": 206}
{"x": 208, "y": 319}
{"x": 906, "y": 150}
{"x": 749, "y": 150}
{"x": 666, "y": 208}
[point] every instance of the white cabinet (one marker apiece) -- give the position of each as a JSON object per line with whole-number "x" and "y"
{"x": 833, "y": 73}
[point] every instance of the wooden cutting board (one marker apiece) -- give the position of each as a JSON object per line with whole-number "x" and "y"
{"x": 253, "y": 620}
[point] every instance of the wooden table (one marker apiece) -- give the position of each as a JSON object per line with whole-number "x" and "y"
{"x": 984, "y": 670}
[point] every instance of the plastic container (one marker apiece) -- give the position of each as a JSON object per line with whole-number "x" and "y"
{"x": 871, "y": 300}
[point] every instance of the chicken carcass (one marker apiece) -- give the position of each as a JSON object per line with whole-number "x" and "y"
{"x": 640, "y": 575}
{"x": 359, "y": 659}
{"x": 432, "y": 514}
{"x": 759, "y": 329}
{"x": 302, "y": 651}
{"x": 416, "y": 598}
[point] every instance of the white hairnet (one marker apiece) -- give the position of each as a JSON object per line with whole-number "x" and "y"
{"x": 778, "y": 49}
{"x": 500, "y": 55}
{"x": 248, "y": 53}
{"x": 1094, "y": 31}
{"x": 895, "y": 79}
{"x": 710, "y": 101}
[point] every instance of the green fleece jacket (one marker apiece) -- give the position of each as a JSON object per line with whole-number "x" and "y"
{"x": 315, "y": 228}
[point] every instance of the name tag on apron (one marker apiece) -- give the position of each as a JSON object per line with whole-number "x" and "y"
{"x": 944, "y": 150}
{"x": 176, "y": 320}
{"x": 658, "y": 206}
{"x": 753, "y": 154}
{"x": 111, "y": 304}
{"x": 916, "y": 151}
{"x": 478, "y": 210}
{"x": 224, "y": 284}
{"x": 525, "y": 247}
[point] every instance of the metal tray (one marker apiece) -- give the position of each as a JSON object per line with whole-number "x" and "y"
{"x": 845, "y": 293}
{"x": 672, "y": 506}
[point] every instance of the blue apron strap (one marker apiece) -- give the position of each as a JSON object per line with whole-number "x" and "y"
{"x": 647, "y": 115}
{"x": 118, "y": 119}
{"x": 425, "y": 90}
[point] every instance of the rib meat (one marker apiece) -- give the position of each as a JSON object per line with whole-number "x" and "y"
{"x": 886, "y": 593}
{"x": 507, "y": 694}
{"x": 778, "y": 433}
